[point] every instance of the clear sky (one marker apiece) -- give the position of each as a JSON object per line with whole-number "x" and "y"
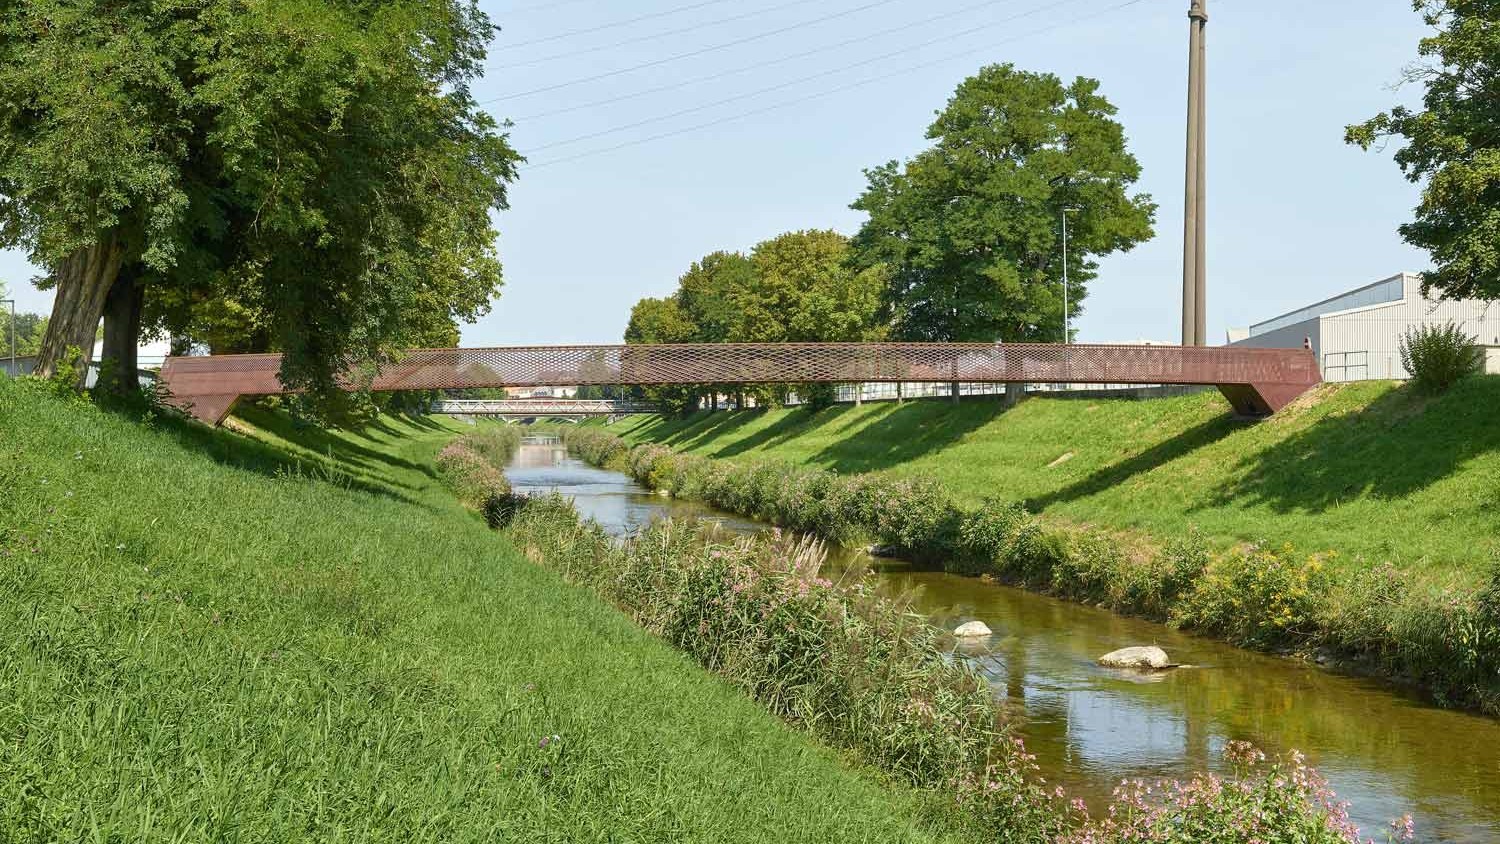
{"x": 1294, "y": 214}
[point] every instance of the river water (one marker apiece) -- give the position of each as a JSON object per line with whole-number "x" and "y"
{"x": 1386, "y": 752}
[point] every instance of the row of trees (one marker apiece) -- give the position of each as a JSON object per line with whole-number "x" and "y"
{"x": 306, "y": 176}
{"x": 962, "y": 243}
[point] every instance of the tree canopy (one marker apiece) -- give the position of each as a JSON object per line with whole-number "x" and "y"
{"x": 1452, "y": 145}
{"x": 310, "y": 176}
{"x": 971, "y": 227}
{"x": 796, "y": 287}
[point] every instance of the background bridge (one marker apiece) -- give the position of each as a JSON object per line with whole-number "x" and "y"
{"x": 540, "y": 408}
{"x": 1257, "y": 382}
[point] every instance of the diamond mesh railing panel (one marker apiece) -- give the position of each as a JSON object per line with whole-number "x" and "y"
{"x": 778, "y": 363}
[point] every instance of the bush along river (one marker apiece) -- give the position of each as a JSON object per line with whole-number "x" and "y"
{"x": 1091, "y": 727}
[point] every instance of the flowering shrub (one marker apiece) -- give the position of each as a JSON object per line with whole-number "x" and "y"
{"x": 1259, "y": 597}
{"x": 473, "y": 466}
{"x": 1276, "y": 802}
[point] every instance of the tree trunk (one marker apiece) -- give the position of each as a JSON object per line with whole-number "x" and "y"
{"x": 954, "y": 391}
{"x": 122, "y": 332}
{"x": 859, "y": 394}
{"x": 899, "y": 396}
{"x": 83, "y": 281}
{"x": 714, "y": 400}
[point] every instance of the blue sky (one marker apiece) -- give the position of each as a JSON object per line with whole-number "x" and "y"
{"x": 1295, "y": 215}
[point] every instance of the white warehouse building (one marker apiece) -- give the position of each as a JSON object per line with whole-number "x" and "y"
{"x": 1356, "y": 336}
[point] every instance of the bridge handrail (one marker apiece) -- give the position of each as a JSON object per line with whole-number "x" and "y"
{"x": 1256, "y": 381}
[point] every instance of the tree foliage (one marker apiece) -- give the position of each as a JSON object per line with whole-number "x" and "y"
{"x": 971, "y": 227}
{"x": 1452, "y": 144}
{"x": 311, "y": 176}
{"x": 799, "y": 286}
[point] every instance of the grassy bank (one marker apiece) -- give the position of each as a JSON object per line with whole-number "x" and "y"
{"x": 285, "y": 634}
{"x": 1370, "y": 470}
{"x": 1443, "y": 637}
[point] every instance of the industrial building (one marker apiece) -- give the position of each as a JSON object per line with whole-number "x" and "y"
{"x": 1356, "y": 336}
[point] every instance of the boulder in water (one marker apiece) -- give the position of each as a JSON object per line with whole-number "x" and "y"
{"x": 1151, "y": 657}
{"x": 972, "y": 630}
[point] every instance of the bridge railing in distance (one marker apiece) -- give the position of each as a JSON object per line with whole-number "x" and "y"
{"x": 1257, "y": 382}
{"x": 540, "y": 407}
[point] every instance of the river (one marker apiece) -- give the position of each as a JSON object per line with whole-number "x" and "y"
{"x": 1385, "y": 752}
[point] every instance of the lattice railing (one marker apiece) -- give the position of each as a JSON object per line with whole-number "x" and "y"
{"x": 1257, "y": 381}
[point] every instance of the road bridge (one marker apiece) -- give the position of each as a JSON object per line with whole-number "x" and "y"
{"x": 540, "y": 408}
{"x": 1257, "y": 382}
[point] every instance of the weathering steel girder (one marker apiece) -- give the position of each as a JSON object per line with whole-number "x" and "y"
{"x": 1258, "y": 382}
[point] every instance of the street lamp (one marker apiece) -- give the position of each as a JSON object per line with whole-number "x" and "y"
{"x": 1067, "y": 319}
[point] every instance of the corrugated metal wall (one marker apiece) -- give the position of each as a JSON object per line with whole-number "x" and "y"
{"x": 1364, "y": 343}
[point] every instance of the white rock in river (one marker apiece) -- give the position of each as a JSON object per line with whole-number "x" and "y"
{"x": 973, "y": 628}
{"x": 1142, "y": 657}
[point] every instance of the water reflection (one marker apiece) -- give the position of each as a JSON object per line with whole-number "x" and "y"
{"x": 1091, "y": 726}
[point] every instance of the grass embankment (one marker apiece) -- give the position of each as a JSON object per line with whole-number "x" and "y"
{"x": 287, "y": 634}
{"x": 1440, "y": 631}
{"x": 1370, "y": 470}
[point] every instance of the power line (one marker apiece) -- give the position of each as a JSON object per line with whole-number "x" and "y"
{"x": 658, "y": 62}
{"x": 762, "y": 64}
{"x": 649, "y": 37}
{"x": 615, "y": 24}
{"x": 539, "y": 7}
{"x": 812, "y": 78}
{"x": 831, "y": 91}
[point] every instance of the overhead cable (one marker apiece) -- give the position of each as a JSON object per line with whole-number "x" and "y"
{"x": 650, "y": 36}
{"x": 698, "y": 52}
{"x": 829, "y": 92}
{"x": 812, "y": 78}
{"x": 826, "y": 48}
{"x": 615, "y": 24}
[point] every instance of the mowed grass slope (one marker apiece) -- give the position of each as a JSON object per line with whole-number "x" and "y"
{"x": 301, "y": 637}
{"x": 1372, "y": 470}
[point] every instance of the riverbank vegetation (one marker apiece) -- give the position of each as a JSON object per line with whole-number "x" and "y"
{"x": 1266, "y": 596}
{"x": 845, "y": 662}
{"x": 283, "y": 632}
{"x": 473, "y": 464}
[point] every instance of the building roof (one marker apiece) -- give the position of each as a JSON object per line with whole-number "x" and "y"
{"x": 1391, "y": 289}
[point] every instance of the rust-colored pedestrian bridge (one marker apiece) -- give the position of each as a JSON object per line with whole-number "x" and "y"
{"x": 1257, "y": 382}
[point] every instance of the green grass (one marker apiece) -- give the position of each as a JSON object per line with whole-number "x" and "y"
{"x": 1373, "y": 471}
{"x": 286, "y": 634}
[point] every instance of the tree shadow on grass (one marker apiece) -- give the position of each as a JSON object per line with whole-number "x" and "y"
{"x": 911, "y": 430}
{"x": 1152, "y": 458}
{"x": 1396, "y": 446}
{"x": 685, "y": 432}
{"x": 320, "y": 441}
{"x": 331, "y": 459}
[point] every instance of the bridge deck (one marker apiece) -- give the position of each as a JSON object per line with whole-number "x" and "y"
{"x": 1257, "y": 382}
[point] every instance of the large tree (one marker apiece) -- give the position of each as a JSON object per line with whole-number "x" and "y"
{"x": 711, "y": 293}
{"x": 808, "y": 290}
{"x": 311, "y": 176}
{"x": 1453, "y": 145}
{"x": 971, "y": 227}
